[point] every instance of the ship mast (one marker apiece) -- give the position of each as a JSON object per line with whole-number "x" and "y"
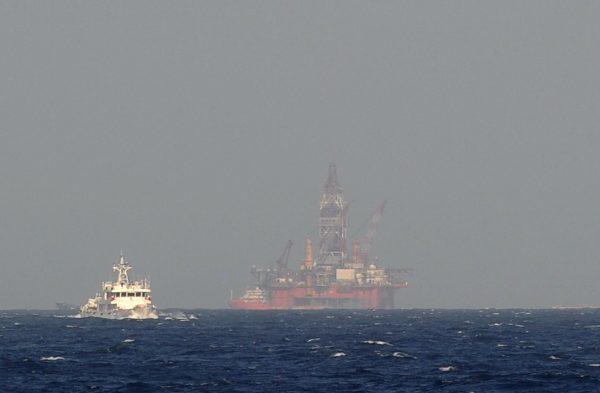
{"x": 122, "y": 267}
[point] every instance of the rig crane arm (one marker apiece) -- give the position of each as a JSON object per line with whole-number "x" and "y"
{"x": 372, "y": 229}
{"x": 282, "y": 261}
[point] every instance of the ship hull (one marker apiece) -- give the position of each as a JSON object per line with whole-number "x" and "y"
{"x": 135, "y": 313}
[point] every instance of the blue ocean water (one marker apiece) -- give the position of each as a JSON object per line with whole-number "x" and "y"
{"x": 317, "y": 351}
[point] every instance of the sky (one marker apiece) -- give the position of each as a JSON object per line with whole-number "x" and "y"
{"x": 196, "y": 136}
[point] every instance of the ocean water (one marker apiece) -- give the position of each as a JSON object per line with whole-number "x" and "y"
{"x": 317, "y": 351}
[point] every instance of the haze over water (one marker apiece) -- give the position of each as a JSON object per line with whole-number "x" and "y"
{"x": 196, "y": 137}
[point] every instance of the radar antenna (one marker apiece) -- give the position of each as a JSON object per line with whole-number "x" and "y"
{"x": 122, "y": 267}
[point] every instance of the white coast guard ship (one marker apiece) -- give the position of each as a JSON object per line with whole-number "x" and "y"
{"x": 123, "y": 298}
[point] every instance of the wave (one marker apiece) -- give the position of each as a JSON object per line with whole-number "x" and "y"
{"x": 376, "y": 342}
{"x": 403, "y": 355}
{"x": 446, "y": 369}
{"x": 51, "y": 358}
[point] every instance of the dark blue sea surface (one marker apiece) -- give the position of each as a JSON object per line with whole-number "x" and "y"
{"x": 294, "y": 351}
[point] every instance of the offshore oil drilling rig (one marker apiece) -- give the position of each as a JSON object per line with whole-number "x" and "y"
{"x": 334, "y": 278}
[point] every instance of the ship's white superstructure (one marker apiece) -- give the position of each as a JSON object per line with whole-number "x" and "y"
{"x": 122, "y": 298}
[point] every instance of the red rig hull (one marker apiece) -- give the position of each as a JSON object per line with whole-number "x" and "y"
{"x": 332, "y": 297}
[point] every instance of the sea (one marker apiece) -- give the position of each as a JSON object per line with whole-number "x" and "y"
{"x": 304, "y": 351}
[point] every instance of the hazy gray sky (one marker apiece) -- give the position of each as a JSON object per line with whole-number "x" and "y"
{"x": 196, "y": 136}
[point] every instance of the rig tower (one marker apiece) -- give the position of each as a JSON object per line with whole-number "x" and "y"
{"x": 332, "y": 222}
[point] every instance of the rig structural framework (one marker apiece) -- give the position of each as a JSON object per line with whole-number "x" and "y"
{"x": 334, "y": 279}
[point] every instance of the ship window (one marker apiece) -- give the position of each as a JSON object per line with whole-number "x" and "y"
{"x": 131, "y": 294}
{"x": 138, "y": 294}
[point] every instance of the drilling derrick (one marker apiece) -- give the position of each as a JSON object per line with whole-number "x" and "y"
{"x": 332, "y": 222}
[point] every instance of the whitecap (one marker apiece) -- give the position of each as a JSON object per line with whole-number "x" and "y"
{"x": 128, "y": 340}
{"x": 502, "y": 345}
{"x": 445, "y": 369}
{"x": 70, "y": 326}
{"x": 554, "y": 357}
{"x": 16, "y": 323}
{"x": 313, "y": 339}
{"x": 402, "y": 355}
{"x": 338, "y": 354}
{"x": 377, "y": 342}
{"x": 594, "y": 364}
{"x": 51, "y": 358}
